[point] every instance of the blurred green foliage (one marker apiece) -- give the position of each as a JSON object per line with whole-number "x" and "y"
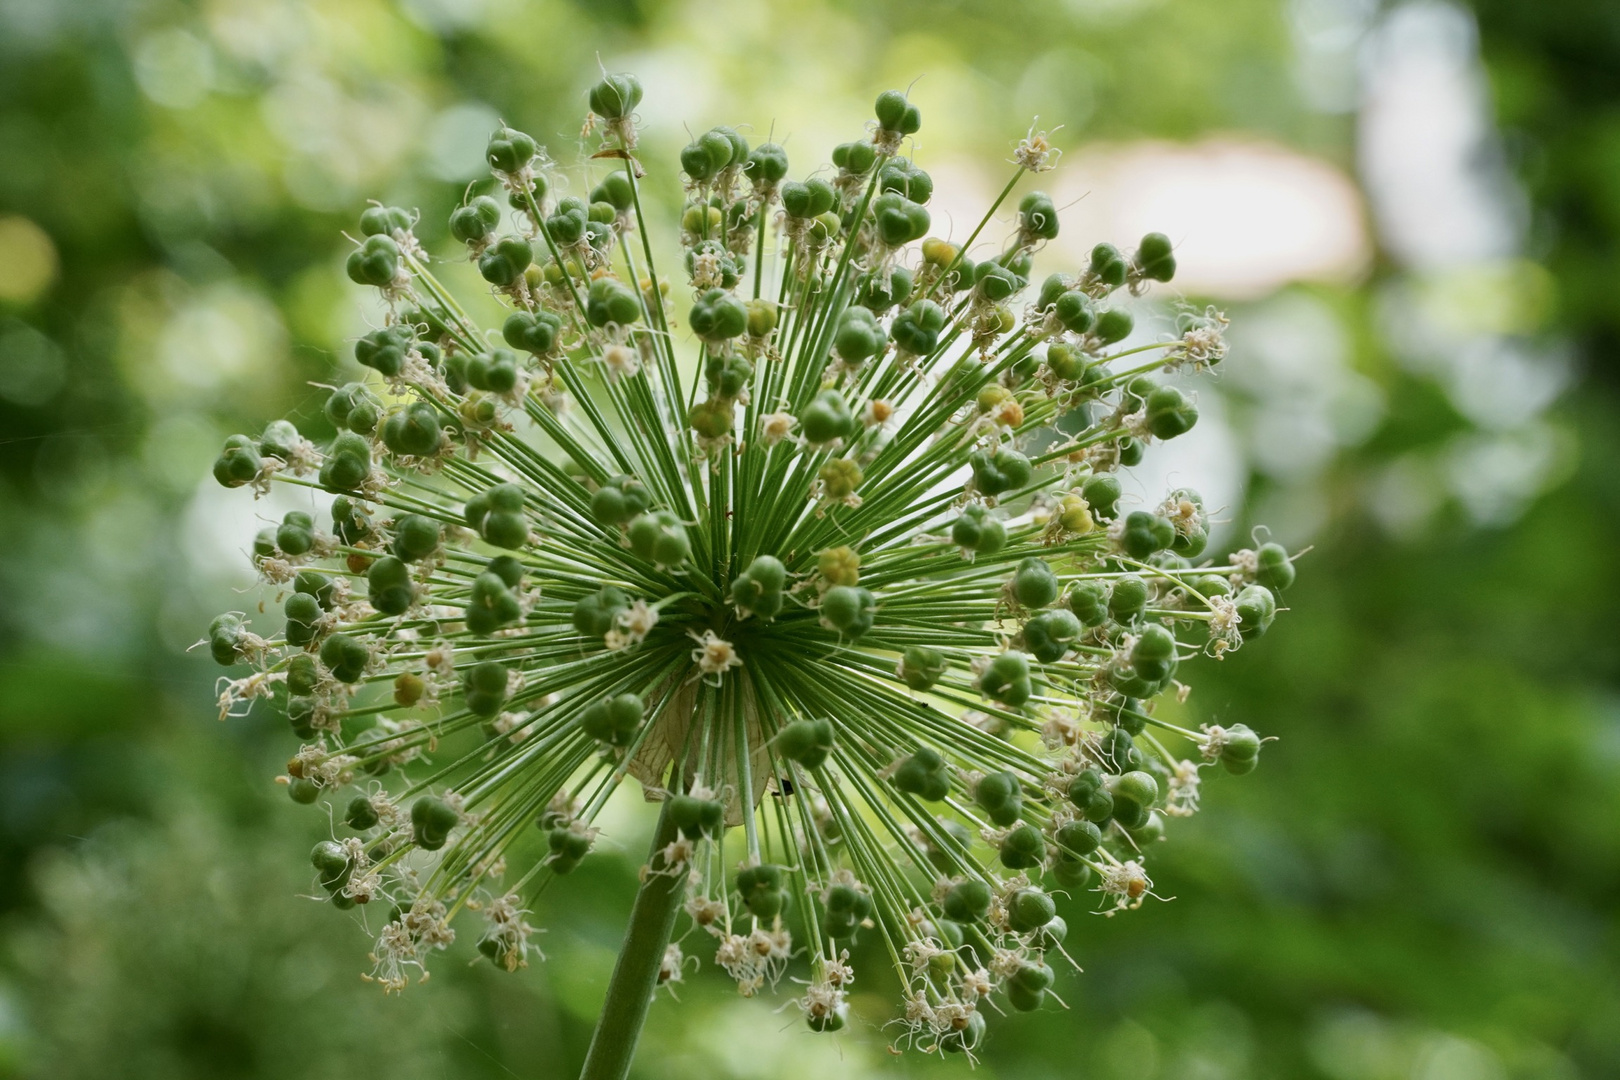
{"x": 1423, "y": 881}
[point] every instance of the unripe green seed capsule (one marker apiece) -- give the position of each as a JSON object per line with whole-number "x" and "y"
{"x": 616, "y": 96}
{"x": 361, "y": 814}
{"x": 1023, "y": 848}
{"x": 1000, "y": 796}
{"x": 966, "y": 901}
{"x": 1029, "y": 910}
{"x": 1273, "y": 569}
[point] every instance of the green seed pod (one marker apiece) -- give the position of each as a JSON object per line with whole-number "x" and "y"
{"x": 361, "y": 814}
{"x": 728, "y": 376}
{"x": 1006, "y": 679}
{"x": 507, "y": 568}
{"x": 239, "y": 463}
{"x": 1029, "y": 910}
{"x": 1026, "y": 988}
{"x": 965, "y": 1039}
{"x": 389, "y": 585}
{"x": 1034, "y": 585}
{"x": 413, "y": 431}
{"x": 1130, "y": 451}
{"x": 568, "y": 849}
{"x": 1119, "y": 750}
{"x": 921, "y": 667}
{"x": 845, "y": 908}
{"x": 1050, "y": 635}
{"x": 355, "y": 407}
{"x": 1080, "y": 837}
{"x": 1109, "y": 265}
{"x": 345, "y": 657}
{"x": 498, "y": 516}
{"x": 827, "y": 418}
{"x": 296, "y": 534}
{"x": 758, "y": 589}
{"x": 596, "y": 612}
{"x": 332, "y": 865}
{"x": 810, "y": 199}
{"x": 767, "y": 165}
{"x": 1240, "y": 749}
{"x": 279, "y": 440}
{"x": 1113, "y": 325}
{"x": 1089, "y": 602}
{"x": 1001, "y": 471}
{"x": 536, "y": 332}
{"x": 1138, "y": 787}
{"x": 854, "y": 157}
{"x": 347, "y": 464}
{"x": 349, "y": 521}
{"x": 995, "y": 282}
{"x": 1073, "y": 874}
{"x": 612, "y": 302}
{"x": 978, "y": 530}
{"x": 374, "y": 262}
{"x": 1146, "y": 533}
{"x": 431, "y": 821}
{"x": 897, "y": 115}
{"x": 385, "y": 350}
{"x": 616, "y": 96}
{"x": 1037, "y": 217}
{"x": 506, "y": 260}
{"x": 858, "y": 338}
{"x": 303, "y": 613}
{"x": 491, "y": 604}
{"x": 1150, "y": 831}
{"x": 495, "y": 371}
{"x": 569, "y": 222}
{"x": 901, "y": 176}
{"x": 807, "y": 742}
{"x": 1052, "y": 288}
{"x": 850, "y": 611}
{"x": 1075, "y": 312}
{"x": 485, "y": 688}
{"x": 302, "y": 675}
{"x": 697, "y": 818}
{"x": 416, "y": 537}
{"x": 966, "y": 901}
{"x": 839, "y": 478}
{"x": 718, "y": 316}
{"x": 1000, "y": 795}
{"x": 1273, "y": 568}
{"x": 264, "y": 544}
{"x": 660, "y": 537}
{"x": 916, "y": 330}
{"x": 925, "y": 775}
{"x": 1092, "y": 798}
{"x": 1102, "y": 493}
{"x": 509, "y": 150}
{"x": 475, "y": 222}
{"x": 613, "y": 720}
{"x": 761, "y": 318}
{"x": 1154, "y": 257}
{"x": 706, "y": 155}
{"x": 1256, "y": 607}
{"x": 1023, "y": 847}
{"x": 303, "y": 791}
{"x": 762, "y": 890}
{"x": 616, "y": 191}
{"x": 617, "y": 501}
{"x": 1128, "y": 598}
{"x": 383, "y": 220}
{"x": 1170, "y": 413}
{"x": 898, "y": 220}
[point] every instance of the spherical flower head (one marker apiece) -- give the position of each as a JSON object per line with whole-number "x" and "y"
{"x": 866, "y": 607}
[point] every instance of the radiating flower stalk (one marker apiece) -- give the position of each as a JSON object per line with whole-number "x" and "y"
{"x": 857, "y": 594}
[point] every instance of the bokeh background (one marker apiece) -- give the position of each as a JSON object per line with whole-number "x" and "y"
{"x": 1410, "y": 211}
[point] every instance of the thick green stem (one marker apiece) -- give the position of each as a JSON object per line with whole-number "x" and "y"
{"x": 635, "y": 974}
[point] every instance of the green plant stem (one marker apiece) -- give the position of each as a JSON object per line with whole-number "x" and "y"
{"x": 635, "y": 974}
